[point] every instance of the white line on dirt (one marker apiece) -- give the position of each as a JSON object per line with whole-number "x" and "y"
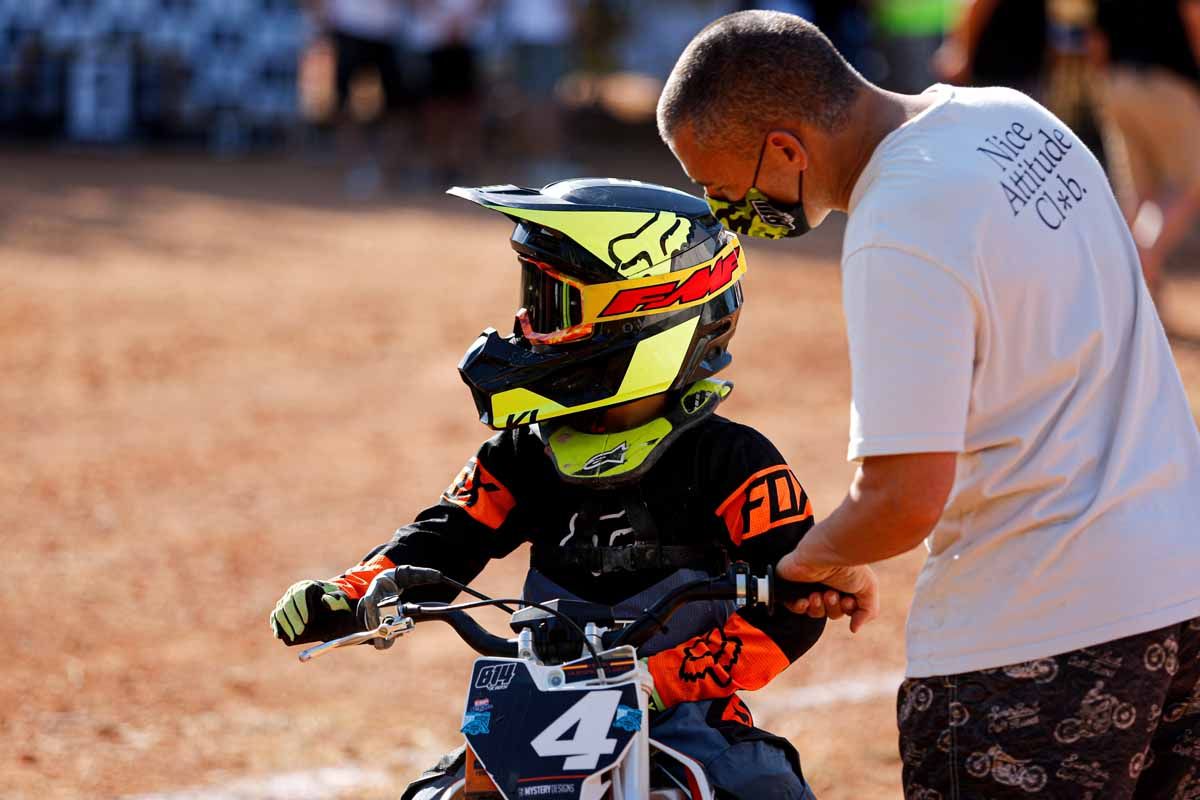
{"x": 332, "y": 782}
{"x": 312, "y": 784}
{"x": 768, "y": 704}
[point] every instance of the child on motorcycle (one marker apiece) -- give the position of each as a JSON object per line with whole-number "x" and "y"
{"x": 611, "y": 461}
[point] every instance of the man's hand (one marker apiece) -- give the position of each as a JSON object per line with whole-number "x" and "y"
{"x": 853, "y": 591}
{"x": 312, "y": 611}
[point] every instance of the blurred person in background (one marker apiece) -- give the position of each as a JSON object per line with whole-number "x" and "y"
{"x": 365, "y": 35}
{"x": 539, "y": 34}
{"x": 1148, "y": 54}
{"x": 448, "y": 33}
{"x": 996, "y": 43}
{"x": 1069, "y": 90}
{"x": 910, "y": 32}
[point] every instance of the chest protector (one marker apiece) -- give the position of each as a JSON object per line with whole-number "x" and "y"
{"x": 615, "y": 462}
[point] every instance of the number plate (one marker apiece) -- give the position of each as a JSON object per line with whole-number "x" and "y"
{"x": 544, "y": 743}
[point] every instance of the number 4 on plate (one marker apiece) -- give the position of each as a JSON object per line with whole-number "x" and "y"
{"x": 591, "y": 718}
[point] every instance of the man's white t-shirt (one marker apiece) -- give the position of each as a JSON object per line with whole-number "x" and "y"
{"x": 996, "y": 308}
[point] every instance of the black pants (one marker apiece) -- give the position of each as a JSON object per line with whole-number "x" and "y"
{"x": 355, "y": 54}
{"x": 1115, "y": 721}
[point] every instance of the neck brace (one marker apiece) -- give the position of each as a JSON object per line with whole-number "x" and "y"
{"x": 612, "y": 459}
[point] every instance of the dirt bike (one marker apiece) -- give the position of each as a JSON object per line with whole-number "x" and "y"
{"x": 561, "y": 710}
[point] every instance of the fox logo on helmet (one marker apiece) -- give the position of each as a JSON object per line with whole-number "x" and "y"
{"x": 658, "y": 239}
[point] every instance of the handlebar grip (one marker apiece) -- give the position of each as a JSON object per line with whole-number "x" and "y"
{"x": 785, "y": 591}
{"x": 407, "y": 576}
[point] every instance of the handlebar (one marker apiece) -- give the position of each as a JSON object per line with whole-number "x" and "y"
{"x": 739, "y": 586}
{"x": 475, "y": 635}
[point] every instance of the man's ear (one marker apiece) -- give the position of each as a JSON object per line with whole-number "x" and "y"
{"x": 788, "y": 146}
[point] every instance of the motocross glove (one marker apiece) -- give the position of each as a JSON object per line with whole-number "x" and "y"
{"x": 313, "y": 611}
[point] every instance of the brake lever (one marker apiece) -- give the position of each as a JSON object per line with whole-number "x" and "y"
{"x": 388, "y": 630}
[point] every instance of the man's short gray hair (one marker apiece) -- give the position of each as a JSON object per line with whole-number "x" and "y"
{"x": 748, "y": 71}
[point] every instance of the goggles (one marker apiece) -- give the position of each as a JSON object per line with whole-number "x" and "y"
{"x": 556, "y": 308}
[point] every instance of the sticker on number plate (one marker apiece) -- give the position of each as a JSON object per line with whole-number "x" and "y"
{"x": 545, "y": 744}
{"x": 628, "y": 719}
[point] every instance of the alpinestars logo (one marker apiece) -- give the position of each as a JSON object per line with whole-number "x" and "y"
{"x": 602, "y": 462}
{"x": 712, "y": 656}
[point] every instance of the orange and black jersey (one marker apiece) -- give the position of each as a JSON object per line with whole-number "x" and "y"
{"x": 721, "y": 491}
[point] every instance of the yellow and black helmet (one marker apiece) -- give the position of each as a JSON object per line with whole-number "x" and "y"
{"x": 628, "y": 289}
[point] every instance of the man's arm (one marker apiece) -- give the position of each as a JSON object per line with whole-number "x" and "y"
{"x": 892, "y": 505}
{"x": 911, "y": 325}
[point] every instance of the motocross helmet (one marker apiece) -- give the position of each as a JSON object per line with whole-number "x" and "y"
{"x": 628, "y": 289}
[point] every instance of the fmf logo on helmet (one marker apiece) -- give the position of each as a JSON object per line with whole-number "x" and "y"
{"x": 699, "y": 285}
{"x": 496, "y": 677}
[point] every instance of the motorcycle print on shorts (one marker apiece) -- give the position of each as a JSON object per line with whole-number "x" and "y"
{"x": 1006, "y": 770}
{"x": 1178, "y": 711}
{"x": 918, "y": 699}
{"x": 1099, "y": 713}
{"x": 1043, "y": 670}
{"x": 1163, "y": 656}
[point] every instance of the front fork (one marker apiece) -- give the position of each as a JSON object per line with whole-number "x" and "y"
{"x": 630, "y": 780}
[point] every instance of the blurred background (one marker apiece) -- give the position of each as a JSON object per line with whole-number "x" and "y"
{"x": 232, "y": 298}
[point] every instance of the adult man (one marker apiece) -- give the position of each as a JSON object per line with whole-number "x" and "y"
{"x": 1014, "y": 396}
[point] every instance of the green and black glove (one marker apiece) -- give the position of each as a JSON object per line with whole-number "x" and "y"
{"x": 313, "y": 611}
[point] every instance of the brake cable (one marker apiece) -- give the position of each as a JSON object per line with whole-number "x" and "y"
{"x": 462, "y": 587}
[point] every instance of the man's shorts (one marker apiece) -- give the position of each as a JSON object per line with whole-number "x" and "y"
{"x": 1114, "y": 721}
{"x": 1152, "y": 131}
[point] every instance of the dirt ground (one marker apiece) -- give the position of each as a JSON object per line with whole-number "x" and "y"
{"x": 217, "y": 379}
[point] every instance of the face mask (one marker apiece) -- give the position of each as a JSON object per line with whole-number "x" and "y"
{"x": 758, "y": 215}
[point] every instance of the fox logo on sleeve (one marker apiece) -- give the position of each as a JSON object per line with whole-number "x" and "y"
{"x": 480, "y": 494}
{"x": 712, "y": 656}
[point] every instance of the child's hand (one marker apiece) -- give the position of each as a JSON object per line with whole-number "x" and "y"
{"x": 312, "y": 611}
